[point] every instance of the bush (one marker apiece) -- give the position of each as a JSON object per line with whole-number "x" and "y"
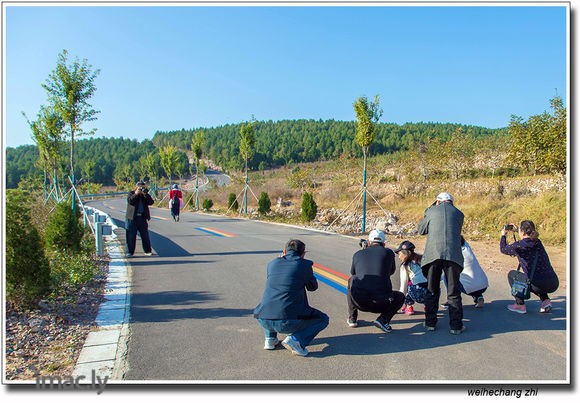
{"x": 64, "y": 229}
{"x": 207, "y": 204}
{"x": 233, "y": 202}
{"x": 309, "y": 207}
{"x": 27, "y": 268}
{"x": 264, "y": 203}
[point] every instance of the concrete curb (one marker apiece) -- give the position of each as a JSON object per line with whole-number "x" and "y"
{"x": 105, "y": 349}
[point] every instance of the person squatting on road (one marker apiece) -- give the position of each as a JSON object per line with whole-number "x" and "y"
{"x": 529, "y": 249}
{"x": 369, "y": 287}
{"x": 175, "y": 200}
{"x": 137, "y": 217}
{"x": 413, "y": 282}
{"x": 472, "y": 280}
{"x": 442, "y": 223}
{"x": 284, "y": 306}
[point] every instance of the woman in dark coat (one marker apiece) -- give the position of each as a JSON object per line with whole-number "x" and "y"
{"x": 528, "y": 250}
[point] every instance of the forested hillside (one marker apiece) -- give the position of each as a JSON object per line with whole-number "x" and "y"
{"x": 277, "y": 143}
{"x": 293, "y": 141}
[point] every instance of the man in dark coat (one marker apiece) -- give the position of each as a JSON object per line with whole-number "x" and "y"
{"x": 369, "y": 287}
{"x": 442, "y": 224}
{"x": 137, "y": 217}
{"x": 284, "y": 306}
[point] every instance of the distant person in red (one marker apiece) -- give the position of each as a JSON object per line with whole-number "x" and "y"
{"x": 175, "y": 200}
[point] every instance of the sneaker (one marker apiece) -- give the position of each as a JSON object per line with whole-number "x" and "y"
{"x": 293, "y": 345}
{"x": 409, "y": 310}
{"x": 351, "y": 322}
{"x": 517, "y": 308}
{"x": 270, "y": 343}
{"x": 458, "y": 331}
{"x": 429, "y": 328}
{"x": 148, "y": 253}
{"x": 129, "y": 255}
{"x": 403, "y": 308}
{"x": 479, "y": 303}
{"x": 546, "y": 306}
{"x": 385, "y": 327}
{"x": 445, "y": 305}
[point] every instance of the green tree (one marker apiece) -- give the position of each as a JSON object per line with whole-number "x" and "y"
{"x": 197, "y": 146}
{"x": 539, "y": 144}
{"x": 64, "y": 230}
{"x": 47, "y": 133}
{"x": 309, "y": 207}
{"x": 264, "y": 203}
{"x": 233, "y": 202}
{"x": 168, "y": 157}
{"x": 368, "y": 115}
{"x": 70, "y": 87}
{"x": 27, "y": 267}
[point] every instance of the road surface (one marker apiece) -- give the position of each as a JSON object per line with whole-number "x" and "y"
{"x": 192, "y": 303}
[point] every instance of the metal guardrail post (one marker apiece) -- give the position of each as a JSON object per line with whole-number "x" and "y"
{"x": 99, "y": 238}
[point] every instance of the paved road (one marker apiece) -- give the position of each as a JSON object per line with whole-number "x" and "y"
{"x": 192, "y": 302}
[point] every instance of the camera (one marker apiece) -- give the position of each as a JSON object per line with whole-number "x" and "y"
{"x": 510, "y": 227}
{"x": 144, "y": 189}
{"x": 363, "y": 243}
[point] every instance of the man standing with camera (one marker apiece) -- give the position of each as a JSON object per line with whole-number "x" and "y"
{"x": 137, "y": 217}
{"x": 369, "y": 287}
{"x": 442, "y": 224}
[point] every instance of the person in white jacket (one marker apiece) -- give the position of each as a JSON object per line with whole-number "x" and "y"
{"x": 413, "y": 282}
{"x": 472, "y": 280}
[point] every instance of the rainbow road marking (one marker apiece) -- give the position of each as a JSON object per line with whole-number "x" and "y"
{"x": 216, "y": 232}
{"x": 334, "y": 279}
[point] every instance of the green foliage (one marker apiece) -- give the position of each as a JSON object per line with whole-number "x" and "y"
{"x": 247, "y": 141}
{"x": 27, "y": 267}
{"x": 309, "y": 207}
{"x": 264, "y": 203}
{"x": 367, "y": 116}
{"x": 539, "y": 143}
{"x": 300, "y": 178}
{"x": 73, "y": 269}
{"x": 69, "y": 87}
{"x": 64, "y": 229}
{"x": 233, "y": 202}
{"x": 207, "y": 204}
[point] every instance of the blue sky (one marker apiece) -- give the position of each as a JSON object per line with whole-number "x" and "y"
{"x": 167, "y": 68}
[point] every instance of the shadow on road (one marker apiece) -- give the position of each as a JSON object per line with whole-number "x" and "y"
{"x": 168, "y": 306}
{"x": 482, "y": 324}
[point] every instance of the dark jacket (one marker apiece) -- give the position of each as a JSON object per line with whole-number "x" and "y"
{"x": 371, "y": 272}
{"x": 132, "y": 205}
{"x": 284, "y": 296}
{"x": 525, "y": 250}
{"x": 442, "y": 224}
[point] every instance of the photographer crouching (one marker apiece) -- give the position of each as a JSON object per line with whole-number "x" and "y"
{"x": 534, "y": 261}
{"x": 369, "y": 287}
{"x": 137, "y": 217}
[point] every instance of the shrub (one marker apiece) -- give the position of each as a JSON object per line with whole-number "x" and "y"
{"x": 207, "y": 204}
{"x": 264, "y": 203}
{"x": 309, "y": 207}
{"x": 27, "y": 268}
{"x": 233, "y": 202}
{"x": 64, "y": 229}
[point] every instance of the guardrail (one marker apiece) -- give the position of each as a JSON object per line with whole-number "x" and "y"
{"x": 103, "y": 226}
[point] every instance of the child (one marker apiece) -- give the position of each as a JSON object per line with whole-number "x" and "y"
{"x": 413, "y": 282}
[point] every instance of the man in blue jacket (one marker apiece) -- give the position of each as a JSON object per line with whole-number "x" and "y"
{"x": 284, "y": 306}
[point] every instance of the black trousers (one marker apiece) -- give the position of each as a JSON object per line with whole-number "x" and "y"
{"x": 386, "y": 307}
{"x": 540, "y": 287}
{"x": 139, "y": 224}
{"x": 433, "y": 272}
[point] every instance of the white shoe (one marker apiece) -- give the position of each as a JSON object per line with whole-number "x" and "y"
{"x": 270, "y": 343}
{"x": 293, "y": 345}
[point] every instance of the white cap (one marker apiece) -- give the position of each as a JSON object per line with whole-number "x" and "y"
{"x": 444, "y": 197}
{"x": 377, "y": 236}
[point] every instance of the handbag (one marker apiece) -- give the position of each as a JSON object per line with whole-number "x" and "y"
{"x": 521, "y": 283}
